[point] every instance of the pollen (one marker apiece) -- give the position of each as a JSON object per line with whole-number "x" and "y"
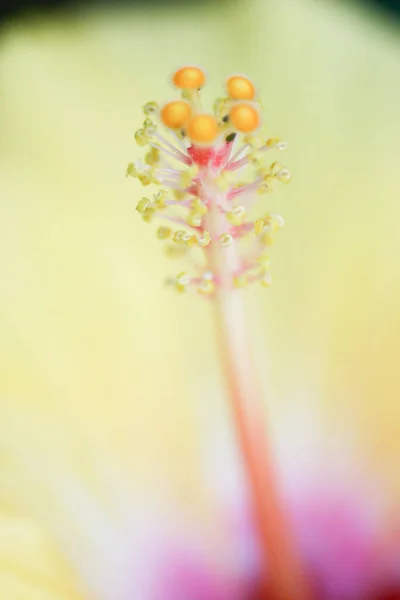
{"x": 202, "y": 129}
{"x": 189, "y": 78}
{"x": 182, "y": 281}
{"x": 245, "y": 117}
{"x": 194, "y": 219}
{"x": 175, "y": 114}
{"x": 164, "y": 233}
{"x": 239, "y": 87}
{"x": 225, "y": 240}
{"x": 237, "y": 215}
{"x": 141, "y": 137}
{"x": 150, "y": 108}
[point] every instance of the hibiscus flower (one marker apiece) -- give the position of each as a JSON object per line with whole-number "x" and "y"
{"x": 110, "y": 383}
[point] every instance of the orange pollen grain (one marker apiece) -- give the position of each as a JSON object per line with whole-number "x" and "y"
{"x": 202, "y": 129}
{"x": 189, "y": 78}
{"x": 175, "y": 114}
{"x": 244, "y": 117}
{"x": 240, "y": 88}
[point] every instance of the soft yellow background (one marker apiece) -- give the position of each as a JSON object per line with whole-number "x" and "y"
{"x": 95, "y": 355}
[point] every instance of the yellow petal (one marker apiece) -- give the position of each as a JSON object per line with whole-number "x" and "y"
{"x": 30, "y": 566}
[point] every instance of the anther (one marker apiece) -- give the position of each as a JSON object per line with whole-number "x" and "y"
{"x": 225, "y": 240}
{"x": 276, "y": 143}
{"x": 182, "y": 281}
{"x": 236, "y": 215}
{"x": 179, "y": 237}
{"x": 206, "y": 287}
{"x": 194, "y": 219}
{"x": 204, "y": 240}
{"x": 152, "y": 158}
{"x": 159, "y": 199}
{"x": 284, "y": 175}
{"x": 199, "y": 207}
{"x": 143, "y": 205}
{"x": 150, "y": 108}
{"x": 141, "y": 137}
{"x": 164, "y": 233}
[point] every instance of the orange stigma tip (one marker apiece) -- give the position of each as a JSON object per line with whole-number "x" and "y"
{"x": 244, "y": 117}
{"x": 240, "y": 88}
{"x": 189, "y": 78}
{"x": 202, "y": 129}
{"x": 175, "y": 114}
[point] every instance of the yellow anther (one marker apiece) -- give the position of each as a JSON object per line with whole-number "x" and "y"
{"x": 182, "y": 280}
{"x": 150, "y": 108}
{"x": 245, "y": 117}
{"x": 239, "y": 281}
{"x": 206, "y": 287}
{"x": 189, "y": 77}
{"x": 267, "y": 226}
{"x": 148, "y": 214}
{"x": 276, "y": 143}
{"x": 225, "y": 240}
{"x": 176, "y": 114}
{"x": 131, "y": 170}
{"x": 194, "y": 219}
{"x": 271, "y": 142}
{"x": 259, "y": 226}
{"x": 204, "y": 240}
{"x": 141, "y": 137}
{"x": 267, "y": 236}
{"x": 277, "y": 221}
{"x": 284, "y": 175}
{"x": 149, "y": 127}
{"x": 164, "y": 233}
{"x": 240, "y": 88}
{"x": 265, "y": 187}
{"x": 145, "y": 178}
{"x": 180, "y": 237}
{"x": 198, "y": 206}
{"x": 191, "y": 240}
{"x": 202, "y": 129}
{"x": 152, "y": 157}
{"x": 236, "y": 215}
{"x": 143, "y": 205}
{"x": 159, "y": 199}
{"x": 266, "y": 280}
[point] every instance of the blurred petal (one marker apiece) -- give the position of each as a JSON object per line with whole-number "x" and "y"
{"x": 30, "y": 567}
